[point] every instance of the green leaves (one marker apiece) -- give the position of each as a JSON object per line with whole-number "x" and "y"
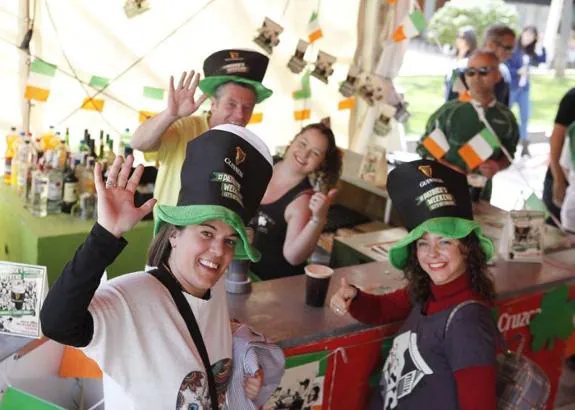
{"x": 554, "y": 321}
{"x": 479, "y": 14}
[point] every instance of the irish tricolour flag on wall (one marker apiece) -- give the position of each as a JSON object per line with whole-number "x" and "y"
{"x": 479, "y": 148}
{"x": 313, "y": 29}
{"x": 412, "y": 26}
{"x": 436, "y": 143}
{"x": 39, "y": 80}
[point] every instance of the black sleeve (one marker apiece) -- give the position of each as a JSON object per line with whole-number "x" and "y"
{"x": 566, "y": 112}
{"x": 64, "y": 316}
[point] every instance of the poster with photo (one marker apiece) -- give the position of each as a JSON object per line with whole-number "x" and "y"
{"x": 22, "y": 291}
{"x": 268, "y": 35}
{"x": 523, "y": 236}
{"x": 323, "y": 66}
{"x": 302, "y": 386}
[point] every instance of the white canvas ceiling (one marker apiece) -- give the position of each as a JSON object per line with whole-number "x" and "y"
{"x": 99, "y": 39}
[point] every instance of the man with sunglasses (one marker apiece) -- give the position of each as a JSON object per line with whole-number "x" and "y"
{"x": 460, "y": 121}
{"x": 500, "y": 39}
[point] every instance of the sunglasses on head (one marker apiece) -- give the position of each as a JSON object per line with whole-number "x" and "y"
{"x": 483, "y": 71}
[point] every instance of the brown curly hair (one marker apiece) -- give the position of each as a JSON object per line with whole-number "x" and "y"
{"x": 330, "y": 169}
{"x": 419, "y": 286}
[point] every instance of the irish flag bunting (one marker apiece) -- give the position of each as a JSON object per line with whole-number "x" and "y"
{"x": 39, "y": 80}
{"x": 313, "y": 29}
{"x": 436, "y": 143}
{"x": 346, "y": 104}
{"x": 256, "y": 118}
{"x": 302, "y": 112}
{"x": 154, "y": 98}
{"x": 99, "y": 82}
{"x": 412, "y": 26}
{"x": 93, "y": 104}
{"x": 479, "y": 148}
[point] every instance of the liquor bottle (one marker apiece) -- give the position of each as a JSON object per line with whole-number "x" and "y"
{"x": 23, "y": 167}
{"x": 84, "y": 144}
{"x": 16, "y": 158}
{"x": 71, "y": 189}
{"x": 39, "y": 193}
{"x": 11, "y": 138}
{"x": 87, "y": 180}
{"x": 67, "y": 137}
{"x": 101, "y": 148}
{"x": 55, "y": 187}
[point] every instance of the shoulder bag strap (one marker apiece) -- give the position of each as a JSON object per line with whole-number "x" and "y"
{"x": 461, "y": 305}
{"x": 186, "y": 311}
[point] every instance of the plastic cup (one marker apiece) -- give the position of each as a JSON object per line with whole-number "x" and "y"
{"x": 317, "y": 284}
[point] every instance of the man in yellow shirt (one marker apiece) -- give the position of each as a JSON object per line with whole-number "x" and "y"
{"x": 233, "y": 84}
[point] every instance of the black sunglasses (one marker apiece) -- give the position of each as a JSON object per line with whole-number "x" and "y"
{"x": 483, "y": 71}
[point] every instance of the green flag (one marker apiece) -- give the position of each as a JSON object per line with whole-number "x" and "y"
{"x": 154, "y": 93}
{"x": 15, "y": 399}
{"x": 533, "y": 203}
{"x": 305, "y": 91}
{"x": 99, "y": 82}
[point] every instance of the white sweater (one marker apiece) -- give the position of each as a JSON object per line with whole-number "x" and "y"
{"x": 143, "y": 346}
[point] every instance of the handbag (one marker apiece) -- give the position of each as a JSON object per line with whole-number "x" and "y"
{"x": 521, "y": 384}
{"x": 166, "y": 278}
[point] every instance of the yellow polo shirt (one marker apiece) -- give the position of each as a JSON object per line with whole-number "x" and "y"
{"x": 172, "y": 153}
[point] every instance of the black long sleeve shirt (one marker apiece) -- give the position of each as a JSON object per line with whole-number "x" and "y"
{"x": 64, "y": 316}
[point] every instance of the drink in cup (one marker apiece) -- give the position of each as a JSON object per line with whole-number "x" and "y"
{"x": 317, "y": 284}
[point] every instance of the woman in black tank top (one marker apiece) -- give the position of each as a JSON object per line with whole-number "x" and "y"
{"x": 291, "y": 216}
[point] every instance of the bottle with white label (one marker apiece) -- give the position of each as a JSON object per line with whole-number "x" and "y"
{"x": 55, "y": 188}
{"x": 39, "y": 193}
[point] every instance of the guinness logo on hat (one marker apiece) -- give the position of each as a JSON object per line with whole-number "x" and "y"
{"x": 240, "y": 156}
{"x": 234, "y": 55}
{"x": 425, "y": 170}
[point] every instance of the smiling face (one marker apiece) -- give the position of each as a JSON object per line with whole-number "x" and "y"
{"x": 486, "y": 75}
{"x": 441, "y": 258}
{"x": 307, "y": 152}
{"x": 201, "y": 254}
{"x": 232, "y": 104}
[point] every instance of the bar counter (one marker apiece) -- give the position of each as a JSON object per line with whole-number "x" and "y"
{"x": 352, "y": 351}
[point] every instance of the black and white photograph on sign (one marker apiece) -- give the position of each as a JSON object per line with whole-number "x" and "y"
{"x": 323, "y": 66}
{"x": 22, "y": 291}
{"x": 301, "y": 388}
{"x": 370, "y": 88}
{"x": 382, "y": 125}
{"x": 134, "y": 7}
{"x": 348, "y": 87}
{"x": 268, "y": 35}
{"x": 523, "y": 236}
{"x": 296, "y": 63}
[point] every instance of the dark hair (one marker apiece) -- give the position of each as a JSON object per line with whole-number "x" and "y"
{"x": 529, "y": 49}
{"x": 496, "y": 32}
{"x": 220, "y": 88}
{"x": 160, "y": 248}
{"x": 467, "y": 33}
{"x": 419, "y": 285}
{"x": 330, "y": 169}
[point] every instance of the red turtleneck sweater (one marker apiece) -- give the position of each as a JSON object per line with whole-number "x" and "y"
{"x": 475, "y": 385}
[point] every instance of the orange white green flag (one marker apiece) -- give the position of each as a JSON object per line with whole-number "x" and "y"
{"x": 479, "y": 148}
{"x": 436, "y": 143}
{"x": 39, "y": 80}
{"x": 314, "y": 32}
{"x": 301, "y": 97}
{"x": 412, "y": 26}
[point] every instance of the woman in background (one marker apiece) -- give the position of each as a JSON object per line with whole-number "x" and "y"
{"x": 292, "y": 216}
{"x": 465, "y": 44}
{"x": 524, "y": 56}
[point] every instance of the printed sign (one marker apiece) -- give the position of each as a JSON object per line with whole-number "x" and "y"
{"x": 22, "y": 291}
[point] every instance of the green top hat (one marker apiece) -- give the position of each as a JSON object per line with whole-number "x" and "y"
{"x": 238, "y": 66}
{"x": 430, "y": 197}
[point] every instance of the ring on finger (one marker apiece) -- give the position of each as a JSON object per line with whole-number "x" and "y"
{"x": 110, "y": 184}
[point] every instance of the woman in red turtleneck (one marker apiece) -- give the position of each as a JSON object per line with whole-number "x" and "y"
{"x": 432, "y": 365}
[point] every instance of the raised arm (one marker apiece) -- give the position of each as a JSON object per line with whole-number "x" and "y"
{"x": 306, "y": 216}
{"x": 181, "y": 103}
{"x": 65, "y": 316}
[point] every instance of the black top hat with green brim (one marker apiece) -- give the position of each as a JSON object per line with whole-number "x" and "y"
{"x": 224, "y": 176}
{"x": 430, "y": 197}
{"x": 237, "y": 66}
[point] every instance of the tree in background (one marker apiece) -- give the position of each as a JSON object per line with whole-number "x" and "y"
{"x": 479, "y": 14}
